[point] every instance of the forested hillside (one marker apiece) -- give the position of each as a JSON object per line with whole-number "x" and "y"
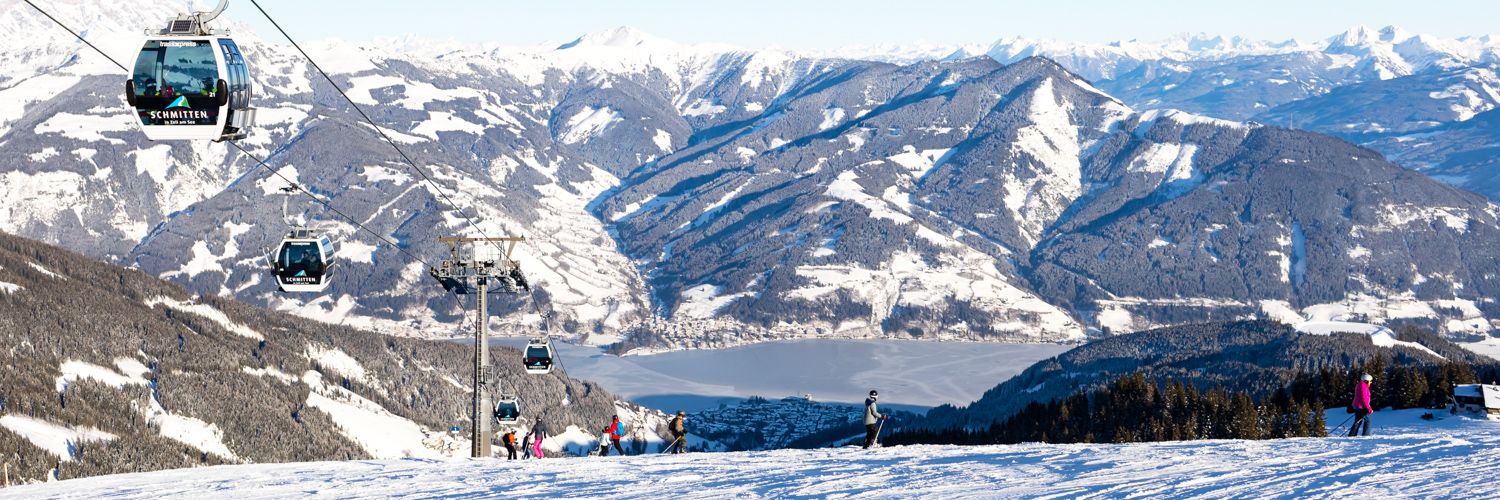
{"x": 107, "y": 370}
{"x": 1256, "y": 358}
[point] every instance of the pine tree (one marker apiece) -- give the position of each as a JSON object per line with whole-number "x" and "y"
{"x": 1409, "y": 388}
{"x": 1380, "y": 386}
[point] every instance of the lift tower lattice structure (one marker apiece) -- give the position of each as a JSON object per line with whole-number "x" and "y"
{"x": 487, "y": 260}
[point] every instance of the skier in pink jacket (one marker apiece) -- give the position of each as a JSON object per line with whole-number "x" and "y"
{"x": 1362, "y": 408}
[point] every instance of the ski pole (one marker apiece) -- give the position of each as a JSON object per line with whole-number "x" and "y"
{"x": 877, "y": 431}
{"x": 669, "y": 446}
{"x": 1337, "y": 430}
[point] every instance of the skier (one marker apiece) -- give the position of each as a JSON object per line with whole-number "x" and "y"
{"x": 510, "y": 444}
{"x": 526, "y": 447}
{"x": 538, "y": 433}
{"x": 616, "y": 432}
{"x": 679, "y": 434}
{"x": 603, "y": 443}
{"x": 872, "y": 417}
{"x": 1362, "y": 408}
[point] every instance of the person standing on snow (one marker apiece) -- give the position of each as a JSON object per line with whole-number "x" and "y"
{"x": 1362, "y": 408}
{"x": 526, "y": 447}
{"x": 509, "y": 439}
{"x": 679, "y": 434}
{"x": 538, "y": 433}
{"x": 872, "y": 418}
{"x": 616, "y": 432}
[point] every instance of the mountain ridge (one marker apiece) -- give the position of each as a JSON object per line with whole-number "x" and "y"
{"x": 710, "y": 196}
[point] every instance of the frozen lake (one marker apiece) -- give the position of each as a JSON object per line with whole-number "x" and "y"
{"x": 912, "y": 375}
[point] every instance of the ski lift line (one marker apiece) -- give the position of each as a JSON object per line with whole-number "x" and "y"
{"x": 378, "y": 129}
{"x": 535, "y": 304}
{"x": 325, "y": 204}
{"x": 273, "y": 171}
{"x": 247, "y": 153}
{"x": 244, "y": 151}
{"x": 80, "y": 38}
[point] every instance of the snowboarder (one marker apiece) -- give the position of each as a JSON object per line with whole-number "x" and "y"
{"x": 509, "y": 439}
{"x": 679, "y": 434}
{"x": 616, "y": 432}
{"x": 872, "y": 417}
{"x": 1361, "y": 405}
{"x": 538, "y": 433}
{"x": 526, "y": 447}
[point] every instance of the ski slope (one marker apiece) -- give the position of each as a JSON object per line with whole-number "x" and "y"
{"x": 1410, "y": 457}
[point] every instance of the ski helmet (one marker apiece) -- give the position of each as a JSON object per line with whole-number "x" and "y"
{"x": 1367, "y": 378}
{"x": 873, "y": 393}
{"x": 681, "y": 413}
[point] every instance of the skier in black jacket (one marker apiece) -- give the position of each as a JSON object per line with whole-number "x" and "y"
{"x": 872, "y": 419}
{"x": 538, "y": 433}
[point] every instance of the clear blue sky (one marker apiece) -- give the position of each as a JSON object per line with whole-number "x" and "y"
{"x": 831, "y": 23}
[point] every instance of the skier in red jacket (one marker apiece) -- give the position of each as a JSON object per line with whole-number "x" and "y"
{"x": 616, "y": 432}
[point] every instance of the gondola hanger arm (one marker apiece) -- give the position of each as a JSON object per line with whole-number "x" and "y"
{"x": 205, "y": 17}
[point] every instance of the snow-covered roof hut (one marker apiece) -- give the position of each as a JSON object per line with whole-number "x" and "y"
{"x": 1480, "y": 400}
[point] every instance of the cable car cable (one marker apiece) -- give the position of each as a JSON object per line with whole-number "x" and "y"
{"x": 378, "y": 130}
{"x": 298, "y": 186}
{"x": 80, "y": 38}
{"x": 246, "y": 152}
{"x": 273, "y": 171}
{"x": 392, "y": 142}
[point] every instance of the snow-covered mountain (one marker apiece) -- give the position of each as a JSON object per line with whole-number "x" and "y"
{"x": 708, "y": 195}
{"x": 1386, "y": 53}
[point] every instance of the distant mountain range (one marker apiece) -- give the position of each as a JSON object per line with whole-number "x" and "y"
{"x": 708, "y": 195}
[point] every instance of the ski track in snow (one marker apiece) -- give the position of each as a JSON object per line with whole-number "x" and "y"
{"x": 1419, "y": 459}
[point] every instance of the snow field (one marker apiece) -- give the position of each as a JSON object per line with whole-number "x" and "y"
{"x": 209, "y": 313}
{"x": 56, "y": 439}
{"x": 1418, "y": 459}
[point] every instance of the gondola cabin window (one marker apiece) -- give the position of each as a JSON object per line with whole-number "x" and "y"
{"x": 301, "y": 262}
{"x": 176, "y": 83}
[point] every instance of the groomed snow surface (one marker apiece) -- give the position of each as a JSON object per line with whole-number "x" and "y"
{"x": 1409, "y": 457}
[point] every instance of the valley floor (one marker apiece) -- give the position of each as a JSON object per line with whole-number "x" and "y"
{"x": 1410, "y": 457}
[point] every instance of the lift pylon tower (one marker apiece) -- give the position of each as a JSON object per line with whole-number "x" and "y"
{"x": 456, "y": 275}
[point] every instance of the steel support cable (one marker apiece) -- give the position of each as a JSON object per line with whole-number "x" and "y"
{"x": 535, "y": 303}
{"x": 378, "y": 130}
{"x": 75, "y": 34}
{"x": 267, "y": 166}
{"x": 329, "y": 206}
{"x": 246, "y": 152}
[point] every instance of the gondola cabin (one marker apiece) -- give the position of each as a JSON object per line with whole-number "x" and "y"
{"x": 538, "y": 356}
{"x": 303, "y": 262}
{"x": 191, "y": 83}
{"x": 1477, "y": 400}
{"x": 507, "y": 409}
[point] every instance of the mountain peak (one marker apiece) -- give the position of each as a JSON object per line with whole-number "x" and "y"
{"x": 1394, "y": 34}
{"x": 1357, "y": 36}
{"x": 623, "y": 36}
